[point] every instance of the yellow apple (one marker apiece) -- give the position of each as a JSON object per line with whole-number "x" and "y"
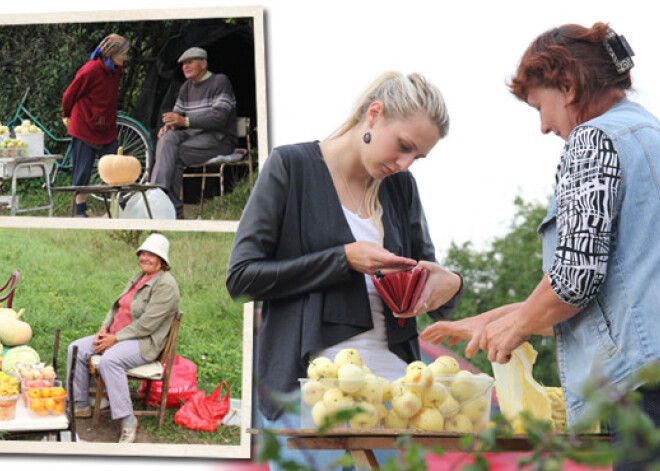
{"x": 477, "y": 409}
{"x": 465, "y": 386}
{"x": 321, "y": 367}
{"x": 319, "y": 413}
{"x": 446, "y": 365}
{"x": 350, "y": 377}
{"x": 312, "y": 392}
{"x": 435, "y": 395}
{"x": 418, "y": 373}
{"x": 449, "y": 407}
{"x": 428, "y": 418}
{"x": 458, "y": 423}
{"x": 407, "y": 404}
{"x": 348, "y": 355}
{"x": 395, "y": 421}
{"x": 368, "y": 418}
{"x": 336, "y": 400}
{"x": 371, "y": 391}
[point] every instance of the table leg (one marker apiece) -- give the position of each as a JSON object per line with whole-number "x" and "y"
{"x": 107, "y": 206}
{"x": 114, "y": 205}
{"x": 73, "y": 204}
{"x": 146, "y": 203}
{"x": 365, "y": 459}
{"x": 14, "y": 198}
{"x": 50, "y": 196}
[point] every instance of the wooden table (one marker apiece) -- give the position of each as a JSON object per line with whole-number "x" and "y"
{"x": 111, "y": 190}
{"x": 14, "y": 168}
{"x": 361, "y": 443}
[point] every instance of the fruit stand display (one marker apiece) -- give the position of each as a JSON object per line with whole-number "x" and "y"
{"x": 32, "y": 399}
{"x": 435, "y": 397}
{"x": 436, "y": 405}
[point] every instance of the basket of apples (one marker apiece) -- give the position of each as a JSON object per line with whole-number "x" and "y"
{"x": 335, "y": 387}
{"x": 440, "y": 397}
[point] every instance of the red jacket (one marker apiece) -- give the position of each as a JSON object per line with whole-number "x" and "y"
{"x": 91, "y": 103}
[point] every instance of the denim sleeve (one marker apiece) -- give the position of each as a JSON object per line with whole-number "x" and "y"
{"x": 587, "y": 184}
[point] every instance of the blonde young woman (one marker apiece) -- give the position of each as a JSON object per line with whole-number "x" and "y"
{"x": 324, "y": 217}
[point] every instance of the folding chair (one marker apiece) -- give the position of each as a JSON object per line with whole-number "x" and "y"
{"x": 240, "y": 156}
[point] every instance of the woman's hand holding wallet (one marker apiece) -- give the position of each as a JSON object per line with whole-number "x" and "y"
{"x": 438, "y": 285}
{"x": 370, "y": 258}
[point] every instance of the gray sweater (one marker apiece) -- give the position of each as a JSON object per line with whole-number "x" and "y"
{"x": 289, "y": 252}
{"x": 210, "y": 107}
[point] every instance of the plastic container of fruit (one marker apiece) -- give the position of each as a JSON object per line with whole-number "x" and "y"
{"x": 326, "y": 397}
{"x": 28, "y": 385}
{"x": 35, "y": 142}
{"x": 459, "y": 403}
{"x": 8, "y": 407}
{"x": 46, "y": 401}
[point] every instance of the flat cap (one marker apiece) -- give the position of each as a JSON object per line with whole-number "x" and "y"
{"x": 193, "y": 53}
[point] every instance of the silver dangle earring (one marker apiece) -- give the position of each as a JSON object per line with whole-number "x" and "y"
{"x": 366, "y": 137}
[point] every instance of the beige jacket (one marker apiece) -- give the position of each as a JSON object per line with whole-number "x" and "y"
{"x": 153, "y": 309}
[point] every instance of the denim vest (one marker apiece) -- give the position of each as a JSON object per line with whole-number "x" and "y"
{"x": 615, "y": 334}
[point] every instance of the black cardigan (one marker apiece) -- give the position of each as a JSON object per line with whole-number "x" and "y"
{"x": 289, "y": 252}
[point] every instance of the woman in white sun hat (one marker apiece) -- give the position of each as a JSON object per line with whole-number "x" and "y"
{"x": 134, "y": 332}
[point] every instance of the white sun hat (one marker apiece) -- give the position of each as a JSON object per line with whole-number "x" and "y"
{"x": 156, "y": 244}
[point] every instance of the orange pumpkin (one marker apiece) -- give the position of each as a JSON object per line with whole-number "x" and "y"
{"x": 119, "y": 169}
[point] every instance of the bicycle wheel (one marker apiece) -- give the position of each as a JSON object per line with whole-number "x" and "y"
{"x": 135, "y": 140}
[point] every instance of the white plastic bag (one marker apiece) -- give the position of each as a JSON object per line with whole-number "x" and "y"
{"x": 159, "y": 203}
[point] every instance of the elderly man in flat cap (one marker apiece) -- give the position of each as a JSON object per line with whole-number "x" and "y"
{"x": 201, "y": 125}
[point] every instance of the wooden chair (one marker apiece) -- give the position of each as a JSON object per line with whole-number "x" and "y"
{"x": 150, "y": 372}
{"x": 10, "y": 285}
{"x": 241, "y": 156}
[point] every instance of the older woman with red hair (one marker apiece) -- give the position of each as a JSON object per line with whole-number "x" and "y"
{"x": 601, "y": 251}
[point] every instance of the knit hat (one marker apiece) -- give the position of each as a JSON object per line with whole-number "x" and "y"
{"x": 192, "y": 53}
{"x": 156, "y": 244}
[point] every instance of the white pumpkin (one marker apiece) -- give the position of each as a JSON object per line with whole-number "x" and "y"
{"x": 119, "y": 169}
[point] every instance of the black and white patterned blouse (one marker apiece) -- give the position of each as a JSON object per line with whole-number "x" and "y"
{"x": 587, "y": 183}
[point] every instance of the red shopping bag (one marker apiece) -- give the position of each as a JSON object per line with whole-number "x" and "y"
{"x": 183, "y": 384}
{"x": 204, "y": 413}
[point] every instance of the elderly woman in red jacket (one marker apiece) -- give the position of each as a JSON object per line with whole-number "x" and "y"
{"x": 89, "y": 110}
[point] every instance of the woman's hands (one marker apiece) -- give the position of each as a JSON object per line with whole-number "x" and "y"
{"x": 103, "y": 340}
{"x": 368, "y": 258}
{"x": 441, "y": 286}
{"x": 495, "y": 331}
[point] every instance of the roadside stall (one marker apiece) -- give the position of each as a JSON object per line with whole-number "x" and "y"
{"x": 33, "y": 400}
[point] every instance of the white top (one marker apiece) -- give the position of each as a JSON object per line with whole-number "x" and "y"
{"x": 371, "y": 344}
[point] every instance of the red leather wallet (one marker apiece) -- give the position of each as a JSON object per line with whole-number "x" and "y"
{"x": 401, "y": 290}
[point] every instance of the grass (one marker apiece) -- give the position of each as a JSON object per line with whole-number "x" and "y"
{"x": 175, "y": 434}
{"x": 70, "y": 279}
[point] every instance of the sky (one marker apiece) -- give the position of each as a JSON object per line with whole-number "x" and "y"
{"x": 321, "y": 54}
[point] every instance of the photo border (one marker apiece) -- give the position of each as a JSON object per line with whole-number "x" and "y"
{"x": 148, "y": 449}
{"x": 256, "y": 12}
